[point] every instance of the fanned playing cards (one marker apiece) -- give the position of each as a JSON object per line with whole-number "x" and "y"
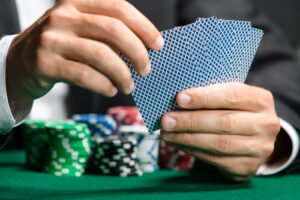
{"x": 206, "y": 52}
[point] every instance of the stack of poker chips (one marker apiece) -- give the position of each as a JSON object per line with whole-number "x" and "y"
{"x": 69, "y": 148}
{"x": 35, "y": 143}
{"x": 131, "y": 124}
{"x": 58, "y": 148}
{"x": 147, "y": 145}
{"x": 115, "y": 156}
{"x": 126, "y": 115}
{"x": 174, "y": 159}
{"x": 103, "y": 125}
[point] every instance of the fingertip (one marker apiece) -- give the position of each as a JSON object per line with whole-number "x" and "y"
{"x": 114, "y": 91}
{"x": 168, "y": 123}
{"x": 130, "y": 89}
{"x": 147, "y": 69}
{"x": 183, "y": 99}
{"x": 110, "y": 93}
{"x": 159, "y": 43}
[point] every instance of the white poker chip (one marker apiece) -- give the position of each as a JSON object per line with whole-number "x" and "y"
{"x": 136, "y": 129}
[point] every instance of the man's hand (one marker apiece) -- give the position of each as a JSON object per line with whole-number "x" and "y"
{"x": 77, "y": 34}
{"x": 231, "y": 126}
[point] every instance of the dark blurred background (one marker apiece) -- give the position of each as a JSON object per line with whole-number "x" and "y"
{"x": 286, "y": 14}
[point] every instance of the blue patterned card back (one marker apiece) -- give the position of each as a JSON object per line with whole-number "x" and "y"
{"x": 206, "y": 52}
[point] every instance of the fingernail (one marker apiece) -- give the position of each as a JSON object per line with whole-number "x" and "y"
{"x": 131, "y": 87}
{"x": 168, "y": 136}
{"x": 147, "y": 69}
{"x": 159, "y": 43}
{"x": 114, "y": 91}
{"x": 169, "y": 124}
{"x": 184, "y": 99}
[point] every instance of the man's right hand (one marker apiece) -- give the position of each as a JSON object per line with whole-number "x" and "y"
{"x": 77, "y": 34}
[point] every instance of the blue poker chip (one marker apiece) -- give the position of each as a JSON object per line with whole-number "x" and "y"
{"x": 103, "y": 125}
{"x": 147, "y": 144}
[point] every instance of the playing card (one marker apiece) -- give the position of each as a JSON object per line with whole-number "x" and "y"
{"x": 172, "y": 71}
{"x": 206, "y": 52}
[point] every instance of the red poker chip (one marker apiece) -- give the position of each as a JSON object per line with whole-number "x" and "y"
{"x": 172, "y": 158}
{"x": 126, "y": 115}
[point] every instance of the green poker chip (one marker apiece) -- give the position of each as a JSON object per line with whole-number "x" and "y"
{"x": 35, "y": 143}
{"x": 61, "y": 148}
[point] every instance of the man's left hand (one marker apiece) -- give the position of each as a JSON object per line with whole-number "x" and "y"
{"x": 230, "y": 126}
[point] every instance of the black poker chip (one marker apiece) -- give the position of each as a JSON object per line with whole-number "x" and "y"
{"x": 115, "y": 156}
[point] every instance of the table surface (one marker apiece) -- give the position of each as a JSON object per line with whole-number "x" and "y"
{"x": 16, "y": 182}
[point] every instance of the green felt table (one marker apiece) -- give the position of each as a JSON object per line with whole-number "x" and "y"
{"x": 16, "y": 182}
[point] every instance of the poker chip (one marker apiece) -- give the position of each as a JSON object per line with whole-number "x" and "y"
{"x": 174, "y": 159}
{"x": 35, "y": 143}
{"x": 69, "y": 148}
{"x": 115, "y": 156}
{"x": 126, "y": 115}
{"x": 149, "y": 167}
{"x": 147, "y": 145}
{"x": 103, "y": 125}
{"x": 58, "y": 148}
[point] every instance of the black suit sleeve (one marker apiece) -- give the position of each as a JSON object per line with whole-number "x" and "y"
{"x": 276, "y": 66}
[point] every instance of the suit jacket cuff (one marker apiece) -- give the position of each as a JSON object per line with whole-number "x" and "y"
{"x": 266, "y": 169}
{"x": 11, "y": 113}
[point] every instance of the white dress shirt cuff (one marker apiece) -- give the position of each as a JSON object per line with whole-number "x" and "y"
{"x": 11, "y": 113}
{"x": 266, "y": 169}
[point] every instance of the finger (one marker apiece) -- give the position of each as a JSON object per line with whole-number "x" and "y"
{"x": 117, "y": 34}
{"x": 96, "y": 54}
{"x": 84, "y": 76}
{"x": 228, "y": 122}
{"x": 239, "y": 168}
{"x": 230, "y": 145}
{"x": 226, "y": 96}
{"x": 129, "y": 15}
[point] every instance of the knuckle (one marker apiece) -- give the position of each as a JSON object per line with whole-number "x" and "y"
{"x": 227, "y": 122}
{"x": 119, "y": 8}
{"x": 233, "y": 95}
{"x": 192, "y": 121}
{"x": 265, "y": 98}
{"x": 187, "y": 139}
{"x": 223, "y": 144}
{"x": 102, "y": 52}
{"x": 252, "y": 146}
{"x": 47, "y": 38}
{"x": 275, "y": 125}
{"x": 244, "y": 170}
{"x": 250, "y": 168}
{"x": 57, "y": 16}
{"x": 268, "y": 97}
{"x": 90, "y": 21}
{"x": 272, "y": 125}
{"x": 82, "y": 76}
{"x": 267, "y": 149}
{"x": 206, "y": 93}
{"x": 114, "y": 27}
